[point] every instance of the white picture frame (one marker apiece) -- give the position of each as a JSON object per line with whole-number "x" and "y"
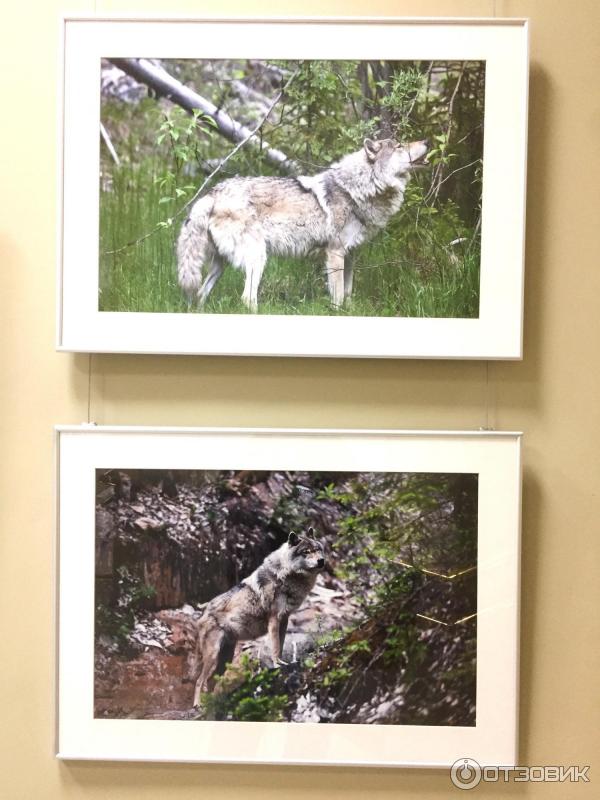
{"x": 494, "y": 456}
{"x": 495, "y": 334}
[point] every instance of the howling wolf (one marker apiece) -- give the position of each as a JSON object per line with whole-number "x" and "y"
{"x": 260, "y": 604}
{"x": 243, "y": 220}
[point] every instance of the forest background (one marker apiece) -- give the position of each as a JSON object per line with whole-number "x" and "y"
{"x": 171, "y": 129}
{"x": 387, "y": 636}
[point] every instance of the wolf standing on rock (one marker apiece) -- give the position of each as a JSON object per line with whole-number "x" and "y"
{"x": 244, "y": 220}
{"x": 259, "y": 604}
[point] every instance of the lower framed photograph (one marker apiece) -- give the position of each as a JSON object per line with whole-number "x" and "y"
{"x": 325, "y": 597}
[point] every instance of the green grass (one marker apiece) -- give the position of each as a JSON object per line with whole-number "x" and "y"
{"x": 402, "y": 272}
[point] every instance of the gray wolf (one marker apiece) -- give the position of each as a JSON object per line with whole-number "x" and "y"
{"x": 260, "y": 604}
{"x": 244, "y": 220}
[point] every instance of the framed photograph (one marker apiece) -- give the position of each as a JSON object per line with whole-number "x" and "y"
{"x": 309, "y": 187}
{"x": 288, "y": 596}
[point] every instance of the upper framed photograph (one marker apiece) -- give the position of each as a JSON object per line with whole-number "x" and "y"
{"x": 306, "y": 187}
{"x": 288, "y": 596}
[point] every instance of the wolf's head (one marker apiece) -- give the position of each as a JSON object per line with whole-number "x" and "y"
{"x": 305, "y": 553}
{"x": 391, "y": 160}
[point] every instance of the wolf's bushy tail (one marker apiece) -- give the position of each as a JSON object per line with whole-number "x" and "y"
{"x": 194, "y": 246}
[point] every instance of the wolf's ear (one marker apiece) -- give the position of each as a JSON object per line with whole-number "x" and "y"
{"x": 311, "y": 533}
{"x": 372, "y": 147}
{"x": 293, "y": 539}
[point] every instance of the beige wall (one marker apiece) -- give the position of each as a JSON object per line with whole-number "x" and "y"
{"x": 552, "y": 395}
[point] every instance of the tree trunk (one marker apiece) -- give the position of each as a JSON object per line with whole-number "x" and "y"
{"x": 159, "y": 80}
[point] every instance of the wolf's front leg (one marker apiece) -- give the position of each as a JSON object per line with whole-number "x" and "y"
{"x": 277, "y": 631}
{"x": 334, "y": 266}
{"x": 282, "y": 632}
{"x": 348, "y": 277}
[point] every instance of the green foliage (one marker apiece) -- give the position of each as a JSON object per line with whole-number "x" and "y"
{"x": 439, "y": 154}
{"x": 336, "y": 675}
{"x": 118, "y": 619}
{"x": 403, "y": 536}
{"x": 403, "y": 647}
{"x": 425, "y": 519}
{"x": 322, "y": 122}
{"x": 245, "y": 693}
{"x": 328, "y": 638}
{"x": 291, "y": 511}
{"x": 116, "y": 623}
{"x": 401, "y": 94}
{"x": 181, "y": 132}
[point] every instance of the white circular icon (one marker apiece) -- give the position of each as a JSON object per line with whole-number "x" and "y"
{"x": 465, "y": 773}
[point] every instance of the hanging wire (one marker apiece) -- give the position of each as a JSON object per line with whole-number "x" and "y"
{"x": 487, "y": 395}
{"x": 488, "y": 391}
{"x": 89, "y": 397}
